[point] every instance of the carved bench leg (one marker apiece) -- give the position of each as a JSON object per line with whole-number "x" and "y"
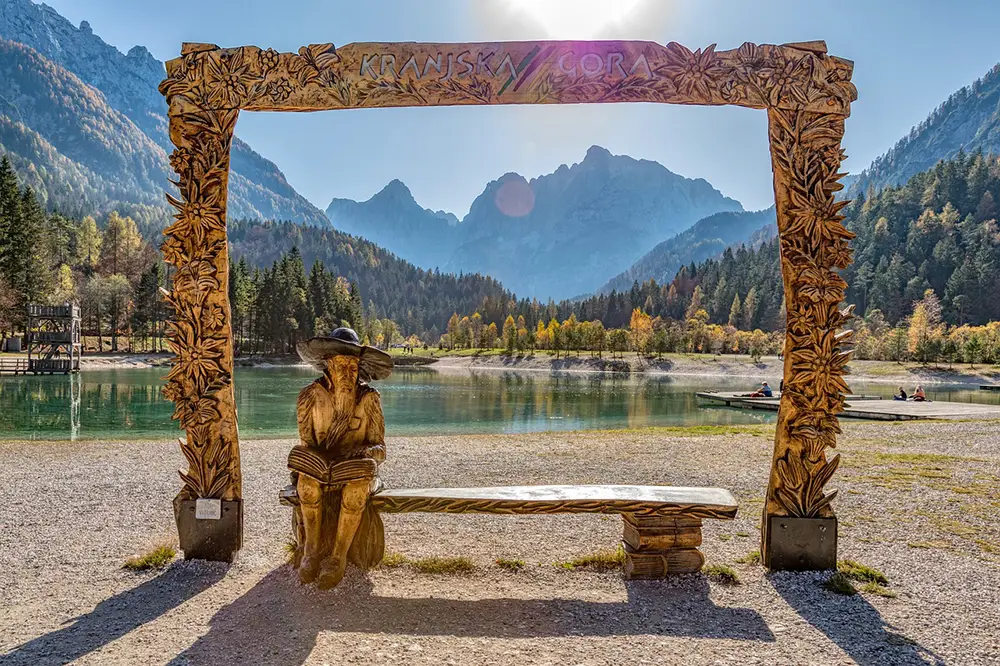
{"x": 658, "y": 546}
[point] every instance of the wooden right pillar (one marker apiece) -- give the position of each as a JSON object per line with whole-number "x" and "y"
{"x": 799, "y": 526}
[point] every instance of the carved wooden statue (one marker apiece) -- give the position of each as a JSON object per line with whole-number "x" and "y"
{"x": 335, "y": 467}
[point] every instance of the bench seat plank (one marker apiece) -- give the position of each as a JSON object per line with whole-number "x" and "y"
{"x": 637, "y": 500}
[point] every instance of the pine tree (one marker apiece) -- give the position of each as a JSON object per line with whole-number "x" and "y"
{"x": 734, "y": 312}
{"x": 750, "y": 305}
{"x": 88, "y": 245}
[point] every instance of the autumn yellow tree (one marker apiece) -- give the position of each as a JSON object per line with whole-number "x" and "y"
{"x": 510, "y": 334}
{"x": 640, "y": 330}
{"x": 924, "y": 333}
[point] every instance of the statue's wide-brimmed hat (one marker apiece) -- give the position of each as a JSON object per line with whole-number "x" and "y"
{"x": 372, "y": 363}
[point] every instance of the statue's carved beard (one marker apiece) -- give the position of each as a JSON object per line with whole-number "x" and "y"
{"x": 344, "y": 389}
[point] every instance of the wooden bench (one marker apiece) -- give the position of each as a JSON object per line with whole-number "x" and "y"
{"x": 662, "y": 524}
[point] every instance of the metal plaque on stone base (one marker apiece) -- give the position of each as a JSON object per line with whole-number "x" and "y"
{"x": 801, "y": 544}
{"x": 209, "y": 538}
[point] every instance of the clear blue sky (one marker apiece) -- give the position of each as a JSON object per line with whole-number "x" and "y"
{"x": 909, "y": 56}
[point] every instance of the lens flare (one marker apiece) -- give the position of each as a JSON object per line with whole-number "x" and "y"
{"x": 576, "y": 19}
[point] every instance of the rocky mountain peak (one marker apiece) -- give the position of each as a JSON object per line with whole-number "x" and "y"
{"x": 395, "y": 192}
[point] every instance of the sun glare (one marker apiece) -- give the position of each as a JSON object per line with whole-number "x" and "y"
{"x": 576, "y": 19}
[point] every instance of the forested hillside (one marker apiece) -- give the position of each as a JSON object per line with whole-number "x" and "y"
{"x": 937, "y": 232}
{"x": 420, "y": 301}
{"x": 87, "y": 128}
{"x": 75, "y": 151}
{"x": 968, "y": 120}
{"x": 940, "y": 232}
{"x": 707, "y": 238}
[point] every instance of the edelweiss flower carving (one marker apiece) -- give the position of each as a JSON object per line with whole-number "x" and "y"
{"x": 181, "y": 160}
{"x": 174, "y": 251}
{"x": 694, "y": 73}
{"x": 214, "y": 317}
{"x": 231, "y": 79}
{"x": 197, "y": 218}
{"x": 821, "y": 284}
{"x": 783, "y": 78}
{"x": 816, "y": 215}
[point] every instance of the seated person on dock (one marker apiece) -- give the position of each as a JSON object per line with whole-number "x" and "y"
{"x": 763, "y": 392}
{"x": 918, "y": 395}
{"x": 901, "y": 395}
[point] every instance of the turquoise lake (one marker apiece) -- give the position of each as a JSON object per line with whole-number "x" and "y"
{"x": 126, "y": 403}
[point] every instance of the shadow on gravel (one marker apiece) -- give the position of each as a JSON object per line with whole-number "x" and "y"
{"x": 278, "y": 621}
{"x": 851, "y": 622}
{"x": 116, "y": 616}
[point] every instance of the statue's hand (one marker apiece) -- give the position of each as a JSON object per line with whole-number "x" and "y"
{"x": 375, "y": 452}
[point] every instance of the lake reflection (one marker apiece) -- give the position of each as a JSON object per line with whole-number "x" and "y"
{"x": 126, "y": 403}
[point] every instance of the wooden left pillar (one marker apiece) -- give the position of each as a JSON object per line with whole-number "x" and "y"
{"x": 209, "y": 507}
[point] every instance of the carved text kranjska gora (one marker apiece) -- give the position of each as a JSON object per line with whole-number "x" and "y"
{"x": 445, "y": 66}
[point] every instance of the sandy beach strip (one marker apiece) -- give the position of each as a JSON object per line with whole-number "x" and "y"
{"x": 680, "y": 365}
{"x": 918, "y": 501}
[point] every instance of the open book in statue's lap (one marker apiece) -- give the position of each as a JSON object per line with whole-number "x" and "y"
{"x": 335, "y": 466}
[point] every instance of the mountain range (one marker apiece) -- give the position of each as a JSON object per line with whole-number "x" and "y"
{"x": 88, "y": 128}
{"x": 556, "y": 236}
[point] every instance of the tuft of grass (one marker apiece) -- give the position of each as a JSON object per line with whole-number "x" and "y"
{"x": 872, "y": 587}
{"x": 721, "y": 573}
{"x": 839, "y": 583}
{"x": 971, "y": 489}
{"x": 753, "y": 557}
{"x": 743, "y": 535}
{"x": 861, "y": 572}
{"x": 510, "y": 565}
{"x": 157, "y": 558}
{"x": 393, "y": 561}
{"x": 956, "y": 527}
{"x": 290, "y": 547}
{"x": 602, "y": 560}
{"x": 443, "y": 565}
{"x": 698, "y": 430}
{"x": 725, "y": 537}
{"x": 988, "y": 547}
{"x": 936, "y": 543}
{"x": 428, "y": 565}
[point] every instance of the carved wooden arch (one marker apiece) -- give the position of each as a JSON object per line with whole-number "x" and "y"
{"x": 806, "y": 92}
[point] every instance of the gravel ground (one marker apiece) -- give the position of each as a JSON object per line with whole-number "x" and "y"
{"x": 918, "y": 501}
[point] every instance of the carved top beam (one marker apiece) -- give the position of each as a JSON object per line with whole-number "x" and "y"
{"x": 364, "y": 75}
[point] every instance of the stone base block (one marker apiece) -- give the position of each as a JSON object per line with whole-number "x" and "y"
{"x": 800, "y": 544}
{"x": 215, "y": 539}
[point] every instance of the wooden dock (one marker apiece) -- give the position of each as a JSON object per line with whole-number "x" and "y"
{"x": 16, "y": 366}
{"x": 871, "y": 407}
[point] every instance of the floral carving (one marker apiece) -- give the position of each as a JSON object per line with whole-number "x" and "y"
{"x": 200, "y": 381}
{"x": 322, "y": 76}
{"x": 806, "y": 154}
{"x": 694, "y": 73}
